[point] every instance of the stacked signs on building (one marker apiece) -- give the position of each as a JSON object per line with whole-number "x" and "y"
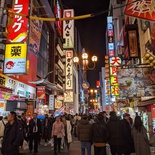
{"x": 107, "y": 80}
{"x": 15, "y": 61}
{"x": 68, "y": 29}
{"x": 114, "y": 62}
{"x": 68, "y": 35}
{"x": 68, "y": 95}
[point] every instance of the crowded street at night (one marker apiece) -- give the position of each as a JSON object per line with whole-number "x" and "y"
{"x": 77, "y": 77}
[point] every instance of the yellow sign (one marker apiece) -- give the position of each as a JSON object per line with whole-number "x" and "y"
{"x": 15, "y": 51}
{"x": 3, "y": 79}
{"x": 114, "y": 80}
{"x": 115, "y": 90}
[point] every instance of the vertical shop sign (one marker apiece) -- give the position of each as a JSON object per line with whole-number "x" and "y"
{"x": 51, "y": 102}
{"x": 69, "y": 70}
{"x": 68, "y": 96}
{"x": 41, "y": 93}
{"x": 68, "y": 29}
{"x": 132, "y": 37}
{"x": 18, "y": 25}
{"x": 58, "y": 14}
{"x": 35, "y": 30}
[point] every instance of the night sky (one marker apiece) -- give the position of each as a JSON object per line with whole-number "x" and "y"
{"x": 92, "y": 31}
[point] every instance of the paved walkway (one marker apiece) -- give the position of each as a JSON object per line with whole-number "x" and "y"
{"x": 48, "y": 150}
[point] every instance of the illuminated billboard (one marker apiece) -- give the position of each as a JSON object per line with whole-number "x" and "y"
{"x": 15, "y": 59}
{"x": 18, "y": 25}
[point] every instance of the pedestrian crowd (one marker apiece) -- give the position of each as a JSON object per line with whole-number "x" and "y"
{"x": 108, "y": 135}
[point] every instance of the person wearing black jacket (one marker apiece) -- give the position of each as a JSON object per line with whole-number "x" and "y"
{"x": 35, "y": 132}
{"x": 13, "y": 135}
{"x": 100, "y": 134}
{"x": 117, "y": 135}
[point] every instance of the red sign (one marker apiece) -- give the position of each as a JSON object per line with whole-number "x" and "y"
{"x": 111, "y": 53}
{"x": 58, "y": 14}
{"x": 18, "y": 27}
{"x": 110, "y": 33}
{"x": 141, "y": 9}
{"x": 41, "y": 92}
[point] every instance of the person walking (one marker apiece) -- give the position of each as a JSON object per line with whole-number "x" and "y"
{"x": 67, "y": 133}
{"x": 34, "y": 132}
{"x": 99, "y": 132}
{"x": 57, "y": 134}
{"x": 23, "y": 121}
{"x": 84, "y": 134}
{"x": 140, "y": 138}
{"x": 46, "y": 129}
{"x": 13, "y": 135}
{"x": 116, "y": 128}
{"x": 3, "y": 122}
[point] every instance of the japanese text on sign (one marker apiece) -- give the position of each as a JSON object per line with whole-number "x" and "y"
{"x": 68, "y": 30}
{"x": 69, "y": 70}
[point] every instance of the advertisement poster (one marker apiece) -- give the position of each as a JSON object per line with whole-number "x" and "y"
{"x": 136, "y": 82}
{"x": 58, "y": 104}
{"x": 35, "y": 31}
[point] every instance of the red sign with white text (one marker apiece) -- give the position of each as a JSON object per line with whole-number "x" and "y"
{"x": 18, "y": 25}
{"x": 141, "y": 9}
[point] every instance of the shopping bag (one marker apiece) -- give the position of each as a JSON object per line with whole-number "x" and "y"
{"x": 25, "y": 145}
{"x": 108, "y": 151}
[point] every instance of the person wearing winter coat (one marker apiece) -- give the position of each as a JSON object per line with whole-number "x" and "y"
{"x": 46, "y": 129}
{"x": 139, "y": 134}
{"x": 13, "y": 135}
{"x": 57, "y": 134}
{"x": 84, "y": 134}
{"x": 117, "y": 135}
{"x": 67, "y": 133}
{"x": 100, "y": 134}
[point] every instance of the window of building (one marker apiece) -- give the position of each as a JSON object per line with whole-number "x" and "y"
{"x": 43, "y": 55}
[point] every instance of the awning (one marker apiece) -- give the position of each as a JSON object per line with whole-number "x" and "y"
{"x": 5, "y": 89}
{"x": 52, "y": 86}
{"x": 146, "y": 103}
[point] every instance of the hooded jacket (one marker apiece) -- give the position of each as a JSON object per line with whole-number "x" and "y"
{"x": 84, "y": 130}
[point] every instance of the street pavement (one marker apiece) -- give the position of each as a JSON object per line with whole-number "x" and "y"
{"x": 48, "y": 150}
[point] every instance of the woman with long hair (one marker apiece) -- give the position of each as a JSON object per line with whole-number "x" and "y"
{"x": 140, "y": 138}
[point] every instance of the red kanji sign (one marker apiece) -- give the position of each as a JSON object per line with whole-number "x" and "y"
{"x": 115, "y": 61}
{"x": 141, "y": 9}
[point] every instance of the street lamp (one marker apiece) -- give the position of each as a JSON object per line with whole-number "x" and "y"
{"x": 85, "y": 61}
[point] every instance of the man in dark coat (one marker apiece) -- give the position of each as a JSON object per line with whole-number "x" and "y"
{"x": 117, "y": 137}
{"x": 99, "y": 132}
{"x": 84, "y": 134}
{"x": 13, "y": 135}
{"x": 35, "y": 133}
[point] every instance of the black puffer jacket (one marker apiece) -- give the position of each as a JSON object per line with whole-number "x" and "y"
{"x": 84, "y": 130}
{"x": 117, "y": 130}
{"x": 13, "y": 135}
{"x": 99, "y": 132}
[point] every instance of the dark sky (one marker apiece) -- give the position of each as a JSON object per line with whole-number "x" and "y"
{"x": 92, "y": 30}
